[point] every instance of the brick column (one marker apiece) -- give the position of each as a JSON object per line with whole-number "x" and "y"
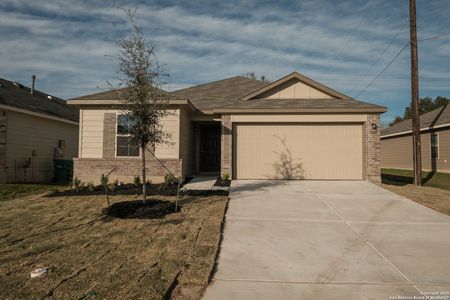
{"x": 226, "y": 145}
{"x": 372, "y": 148}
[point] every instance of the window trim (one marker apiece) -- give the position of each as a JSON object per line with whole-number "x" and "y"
{"x": 116, "y": 134}
{"x": 434, "y": 146}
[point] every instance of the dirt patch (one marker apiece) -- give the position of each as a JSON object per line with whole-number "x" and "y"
{"x": 153, "y": 209}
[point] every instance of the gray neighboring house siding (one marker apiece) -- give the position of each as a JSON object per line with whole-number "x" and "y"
{"x": 33, "y": 127}
{"x": 397, "y": 146}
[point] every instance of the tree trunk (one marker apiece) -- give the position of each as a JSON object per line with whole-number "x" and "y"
{"x": 107, "y": 196}
{"x": 144, "y": 182}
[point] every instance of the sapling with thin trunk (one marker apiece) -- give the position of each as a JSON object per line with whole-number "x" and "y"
{"x": 140, "y": 89}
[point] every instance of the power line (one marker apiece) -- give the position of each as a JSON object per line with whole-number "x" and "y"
{"x": 396, "y": 56}
{"x": 436, "y": 37}
{"x": 384, "y": 69}
{"x": 379, "y": 57}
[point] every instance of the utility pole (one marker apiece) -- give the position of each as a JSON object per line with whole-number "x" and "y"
{"x": 417, "y": 155}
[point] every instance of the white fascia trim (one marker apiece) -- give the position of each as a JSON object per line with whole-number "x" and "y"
{"x": 36, "y": 114}
{"x": 421, "y": 129}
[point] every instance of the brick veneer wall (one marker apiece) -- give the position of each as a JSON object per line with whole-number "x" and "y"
{"x": 90, "y": 169}
{"x": 372, "y": 148}
{"x": 226, "y": 145}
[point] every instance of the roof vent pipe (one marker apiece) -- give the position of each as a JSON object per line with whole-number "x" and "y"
{"x": 33, "y": 79}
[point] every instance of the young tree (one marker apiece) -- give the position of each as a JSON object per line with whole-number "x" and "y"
{"x": 140, "y": 89}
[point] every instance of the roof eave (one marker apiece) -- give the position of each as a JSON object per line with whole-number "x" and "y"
{"x": 97, "y": 102}
{"x": 302, "y": 110}
{"x": 410, "y": 131}
{"x": 38, "y": 114}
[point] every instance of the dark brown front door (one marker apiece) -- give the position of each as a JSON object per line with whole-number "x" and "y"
{"x": 209, "y": 149}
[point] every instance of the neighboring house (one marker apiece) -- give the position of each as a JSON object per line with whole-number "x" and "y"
{"x": 35, "y": 128}
{"x": 293, "y": 128}
{"x": 397, "y": 145}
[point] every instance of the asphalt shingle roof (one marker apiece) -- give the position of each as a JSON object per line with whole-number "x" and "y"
{"x": 220, "y": 94}
{"x": 19, "y": 96}
{"x": 435, "y": 117}
{"x": 228, "y": 94}
{"x": 110, "y": 95}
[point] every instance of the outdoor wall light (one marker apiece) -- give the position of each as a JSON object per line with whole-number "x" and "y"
{"x": 374, "y": 126}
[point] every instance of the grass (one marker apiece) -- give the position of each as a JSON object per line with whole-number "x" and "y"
{"x": 402, "y": 177}
{"x": 18, "y": 190}
{"x": 434, "y": 198}
{"x": 89, "y": 254}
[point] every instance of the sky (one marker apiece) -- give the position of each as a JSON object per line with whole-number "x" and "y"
{"x": 70, "y": 45}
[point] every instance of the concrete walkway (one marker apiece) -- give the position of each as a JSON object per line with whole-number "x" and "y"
{"x": 329, "y": 240}
{"x": 201, "y": 183}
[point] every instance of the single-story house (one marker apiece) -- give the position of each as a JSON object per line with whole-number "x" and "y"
{"x": 35, "y": 128}
{"x": 292, "y": 128}
{"x": 397, "y": 143}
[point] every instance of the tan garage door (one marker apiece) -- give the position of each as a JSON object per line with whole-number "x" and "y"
{"x": 298, "y": 151}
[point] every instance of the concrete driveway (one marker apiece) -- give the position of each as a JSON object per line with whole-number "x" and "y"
{"x": 329, "y": 240}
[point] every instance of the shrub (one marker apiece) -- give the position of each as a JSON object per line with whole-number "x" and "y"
{"x": 137, "y": 180}
{"x": 112, "y": 187}
{"x": 90, "y": 186}
{"x": 77, "y": 184}
{"x": 169, "y": 179}
{"x": 225, "y": 176}
{"x": 104, "y": 180}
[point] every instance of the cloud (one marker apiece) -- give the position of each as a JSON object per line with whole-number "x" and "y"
{"x": 69, "y": 44}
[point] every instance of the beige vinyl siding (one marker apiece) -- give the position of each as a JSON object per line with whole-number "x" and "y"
{"x": 26, "y": 133}
{"x": 396, "y": 152}
{"x": 91, "y": 131}
{"x": 294, "y": 89}
{"x": 187, "y": 142}
{"x": 171, "y": 124}
{"x": 310, "y": 151}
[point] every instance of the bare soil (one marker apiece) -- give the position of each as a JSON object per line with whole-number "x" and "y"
{"x": 89, "y": 254}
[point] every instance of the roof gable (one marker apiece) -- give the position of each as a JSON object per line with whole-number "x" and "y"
{"x": 295, "y": 86}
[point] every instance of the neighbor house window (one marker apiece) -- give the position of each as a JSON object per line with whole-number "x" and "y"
{"x": 124, "y": 140}
{"x": 434, "y": 145}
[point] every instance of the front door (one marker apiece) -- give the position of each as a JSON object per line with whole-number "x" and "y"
{"x": 209, "y": 148}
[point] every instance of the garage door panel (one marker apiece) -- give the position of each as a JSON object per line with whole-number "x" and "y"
{"x": 293, "y": 151}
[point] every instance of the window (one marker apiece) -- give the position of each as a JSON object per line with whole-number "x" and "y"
{"x": 124, "y": 142}
{"x": 434, "y": 145}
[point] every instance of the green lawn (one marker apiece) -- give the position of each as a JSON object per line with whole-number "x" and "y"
{"x": 402, "y": 177}
{"x": 19, "y": 190}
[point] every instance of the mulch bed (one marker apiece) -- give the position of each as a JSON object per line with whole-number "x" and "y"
{"x": 153, "y": 209}
{"x": 222, "y": 183}
{"x": 124, "y": 189}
